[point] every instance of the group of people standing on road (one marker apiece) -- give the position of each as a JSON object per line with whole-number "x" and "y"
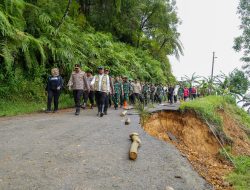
{"x": 102, "y": 89}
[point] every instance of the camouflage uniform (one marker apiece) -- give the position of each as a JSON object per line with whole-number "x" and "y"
{"x": 126, "y": 91}
{"x": 159, "y": 93}
{"x": 152, "y": 93}
{"x": 146, "y": 91}
{"x": 117, "y": 93}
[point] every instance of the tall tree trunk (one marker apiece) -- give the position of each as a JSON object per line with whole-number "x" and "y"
{"x": 66, "y": 12}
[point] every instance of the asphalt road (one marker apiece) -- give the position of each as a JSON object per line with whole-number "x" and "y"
{"x": 67, "y": 152}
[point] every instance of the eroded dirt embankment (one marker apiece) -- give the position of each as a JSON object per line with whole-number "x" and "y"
{"x": 196, "y": 141}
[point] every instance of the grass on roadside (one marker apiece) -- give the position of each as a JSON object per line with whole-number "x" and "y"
{"x": 143, "y": 112}
{"x": 11, "y": 108}
{"x": 240, "y": 178}
{"x": 207, "y": 108}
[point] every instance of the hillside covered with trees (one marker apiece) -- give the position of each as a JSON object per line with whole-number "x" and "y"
{"x": 132, "y": 37}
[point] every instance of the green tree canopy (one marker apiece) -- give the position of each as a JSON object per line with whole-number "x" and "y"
{"x": 242, "y": 43}
{"x": 38, "y": 35}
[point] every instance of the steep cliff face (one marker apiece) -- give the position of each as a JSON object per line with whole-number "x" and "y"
{"x": 195, "y": 139}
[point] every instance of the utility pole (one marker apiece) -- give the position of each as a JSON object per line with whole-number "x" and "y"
{"x": 212, "y": 74}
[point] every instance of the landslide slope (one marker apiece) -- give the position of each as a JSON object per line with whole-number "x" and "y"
{"x": 213, "y": 133}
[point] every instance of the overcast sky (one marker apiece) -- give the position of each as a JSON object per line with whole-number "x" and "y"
{"x": 207, "y": 26}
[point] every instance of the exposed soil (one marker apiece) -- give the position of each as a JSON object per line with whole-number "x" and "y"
{"x": 195, "y": 140}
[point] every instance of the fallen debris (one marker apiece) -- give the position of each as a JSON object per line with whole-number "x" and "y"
{"x": 136, "y": 142}
{"x": 124, "y": 113}
{"x": 169, "y": 188}
{"x": 127, "y": 121}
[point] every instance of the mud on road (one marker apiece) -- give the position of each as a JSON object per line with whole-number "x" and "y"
{"x": 62, "y": 151}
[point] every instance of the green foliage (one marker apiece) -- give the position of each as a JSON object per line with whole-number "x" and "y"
{"x": 238, "y": 82}
{"x": 193, "y": 80}
{"x": 143, "y": 112}
{"x": 242, "y": 43}
{"x": 235, "y": 84}
{"x": 23, "y": 106}
{"x": 151, "y": 25}
{"x": 38, "y": 35}
{"x": 240, "y": 178}
{"x": 206, "y": 108}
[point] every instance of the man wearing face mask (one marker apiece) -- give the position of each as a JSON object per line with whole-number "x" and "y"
{"x": 101, "y": 85}
{"x": 78, "y": 82}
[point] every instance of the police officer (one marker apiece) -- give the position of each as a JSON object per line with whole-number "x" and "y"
{"x": 78, "y": 82}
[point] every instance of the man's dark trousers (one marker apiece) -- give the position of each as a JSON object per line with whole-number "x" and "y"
{"x": 88, "y": 95}
{"x": 107, "y": 102}
{"x": 100, "y": 100}
{"x": 77, "y": 98}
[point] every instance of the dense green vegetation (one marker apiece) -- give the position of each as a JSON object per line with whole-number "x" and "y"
{"x": 207, "y": 108}
{"x": 15, "y": 107}
{"x": 241, "y": 176}
{"x": 128, "y": 36}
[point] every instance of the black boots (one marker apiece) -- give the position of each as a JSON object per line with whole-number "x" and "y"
{"x": 77, "y": 111}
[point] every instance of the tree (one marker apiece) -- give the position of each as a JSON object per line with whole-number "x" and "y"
{"x": 192, "y": 80}
{"x": 245, "y": 100}
{"x": 38, "y": 35}
{"x": 238, "y": 82}
{"x": 242, "y": 43}
{"x": 150, "y": 25}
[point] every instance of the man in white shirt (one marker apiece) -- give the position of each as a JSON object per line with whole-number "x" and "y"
{"x": 101, "y": 86}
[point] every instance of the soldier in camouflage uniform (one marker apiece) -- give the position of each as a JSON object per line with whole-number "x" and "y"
{"x": 152, "y": 93}
{"x": 118, "y": 91}
{"x": 159, "y": 93}
{"x": 146, "y": 93}
{"x": 126, "y": 91}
